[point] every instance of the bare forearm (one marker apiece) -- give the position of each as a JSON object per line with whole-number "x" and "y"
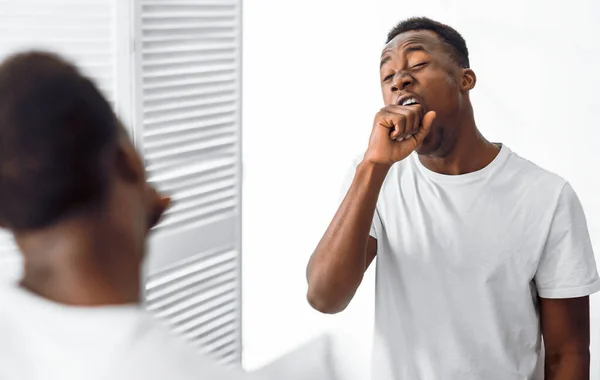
{"x": 569, "y": 366}
{"x": 337, "y": 266}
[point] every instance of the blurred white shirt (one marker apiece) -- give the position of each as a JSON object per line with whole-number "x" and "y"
{"x": 43, "y": 340}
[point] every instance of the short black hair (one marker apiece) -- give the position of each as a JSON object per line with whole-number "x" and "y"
{"x": 449, "y": 36}
{"x": 55, "y": 131}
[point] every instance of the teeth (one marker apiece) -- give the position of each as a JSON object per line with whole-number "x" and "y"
{"x": 410, "y": 101}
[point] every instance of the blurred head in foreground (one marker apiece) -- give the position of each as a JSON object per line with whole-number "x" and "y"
{"x": 73, "y": 188}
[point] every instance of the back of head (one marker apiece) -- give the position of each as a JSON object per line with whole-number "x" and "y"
{"x": 55, "y": 132}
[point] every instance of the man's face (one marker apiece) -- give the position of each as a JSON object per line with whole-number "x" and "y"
{"x": 417, "y": 65}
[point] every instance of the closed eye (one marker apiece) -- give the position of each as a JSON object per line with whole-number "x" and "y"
{"x": 388, "y": 78}
{"x": 419, "y": 65}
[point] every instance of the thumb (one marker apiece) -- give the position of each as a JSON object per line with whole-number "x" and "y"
{"x": 425, "y": 127}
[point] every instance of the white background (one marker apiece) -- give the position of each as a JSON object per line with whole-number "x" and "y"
{"x": 311, "y": 89}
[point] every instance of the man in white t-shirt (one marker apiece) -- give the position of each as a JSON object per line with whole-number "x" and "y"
{"x": 480, "y": 252}
{"x": 73, "y": 191}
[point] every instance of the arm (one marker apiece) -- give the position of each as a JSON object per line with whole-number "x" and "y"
{"x": 565, "y": 277}
{"x": 566, "y": 332}
{"x": 337, "y": 265}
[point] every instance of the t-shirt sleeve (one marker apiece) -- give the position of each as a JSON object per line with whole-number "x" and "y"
{"x": 376, "y": 223}
{"x": 567, "y": 268}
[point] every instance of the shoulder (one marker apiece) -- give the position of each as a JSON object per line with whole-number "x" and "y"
{"x": 522, "y": 172}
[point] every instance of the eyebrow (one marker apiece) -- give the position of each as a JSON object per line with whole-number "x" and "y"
{"x": 384, "y": 61}
{"x": 414, "y": 48}
{"x": 408, "y": 50}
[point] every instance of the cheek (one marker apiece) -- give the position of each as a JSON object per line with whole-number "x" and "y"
{"x": 445, "y": 93}
{"x": 388, "y": 96}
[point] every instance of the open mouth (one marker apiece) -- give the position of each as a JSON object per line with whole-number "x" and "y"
{"x": 408, "y": 102}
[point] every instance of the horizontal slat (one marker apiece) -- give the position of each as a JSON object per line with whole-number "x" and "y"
{"x": 182, "y": 111}
{"x": 159, "y": 168}
{"x": 207, "y": 193}
{"x": 213, "y": 34}
{"x": 221, "y": 346}
{"x": 170, "y": 280}
{"x": 190, "y": 99}
{"x": 98, "y": 14}
{"x": 196, "y": 13}
{"x": 186, "y": 2}
{"x": 193, "y": 285}
{"x": 231, "y": 359}
{"x": 195, "y": 180}
{"x": 216, "y": 108}
{"x": 194, "y": 47}
{"x": 194, "y": 169}
{"x": 55, "y": 33}
{"x": 191, "y": 138}
{"x": 205, "y": 326}
{"x": 226, "y": 354}
{"x": 157, "y": 46}
{"x": 220, "y": 118}
{"x": 192, "y": 57}
{"x": 177, "y": 27}
{"x": 92, "y": 47}
{"x": 152, "y": 100}
{"x": 210, "y": 142}
{"x": 225, "y": 294}
{"x": 220, "y": 333}
{"x": 225, "y": 77}
{"x": 151, "y": 67}
{"x": 203, "y": 198}
{"x": 184, "y": 71}
{"x": 199, "y": 216}
{"x": 204, "y": 303}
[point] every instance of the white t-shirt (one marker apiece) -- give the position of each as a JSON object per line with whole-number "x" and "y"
{"x": 42, "y": 340}
{"x": 460, "y": 263}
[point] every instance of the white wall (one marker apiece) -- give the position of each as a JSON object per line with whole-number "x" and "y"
{"x": 311, "y": 90}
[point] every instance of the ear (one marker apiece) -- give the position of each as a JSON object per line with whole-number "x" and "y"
{"x": 468, "y": 80}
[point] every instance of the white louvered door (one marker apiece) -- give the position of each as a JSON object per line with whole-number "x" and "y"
{"x": 187, "y": 71}
{"x": 82, "y": 31}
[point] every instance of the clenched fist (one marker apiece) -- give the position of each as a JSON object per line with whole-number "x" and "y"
{"x": 397, "y": 132}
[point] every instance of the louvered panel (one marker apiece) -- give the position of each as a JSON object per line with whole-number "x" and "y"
{"x": 190, "y": 103}
{"x": 199, "y": 297}
{"x": 188, "y": 62}
{"x": 81, "y": 31}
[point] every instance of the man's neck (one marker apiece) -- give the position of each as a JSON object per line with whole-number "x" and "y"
{"x": 471, "y": 152}
{"x": 80, "y": 264}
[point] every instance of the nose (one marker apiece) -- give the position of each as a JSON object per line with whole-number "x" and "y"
{"x": 401, "y": 82}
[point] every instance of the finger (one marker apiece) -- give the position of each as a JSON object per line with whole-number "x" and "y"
{"x": 410, "y": 121}
{"x": 413, "y": 115}
{"x": 397, "y": 124}
{"x": 418, "y": 118}
{"x": 425, "y": 128}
